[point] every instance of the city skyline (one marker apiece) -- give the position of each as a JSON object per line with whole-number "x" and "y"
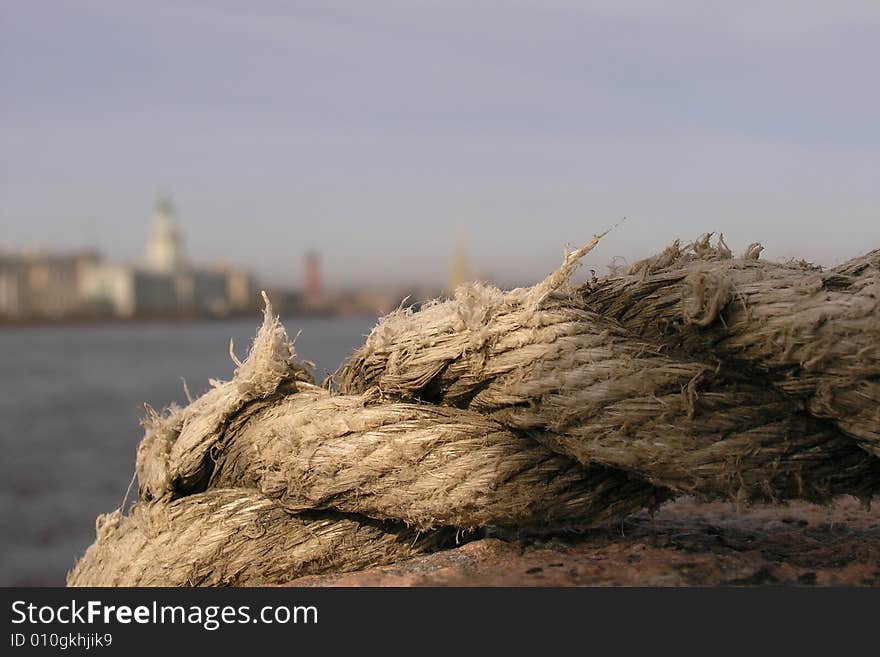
{"x": 166, "y": 247}
{"x": 379, "y": 136}
{"x": 167, "y": 283}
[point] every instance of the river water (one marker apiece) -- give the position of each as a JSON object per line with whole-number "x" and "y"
{"x": 71, "y": 398}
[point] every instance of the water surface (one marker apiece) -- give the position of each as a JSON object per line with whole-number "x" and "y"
{"x": 71, "y": 398}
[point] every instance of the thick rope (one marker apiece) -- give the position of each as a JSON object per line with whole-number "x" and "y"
{"x": 237, "y": 537}
{"x": 428, "y": 466}
{"x": 814, "y": 334}
{"x": 540, "y": 409}
{"x": 587, "y": 387}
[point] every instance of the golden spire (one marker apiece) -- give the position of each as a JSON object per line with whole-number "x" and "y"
{"x": 459, "y": 270}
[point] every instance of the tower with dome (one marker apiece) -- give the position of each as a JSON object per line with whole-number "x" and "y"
{"x": 164, "y": 252}
{"x": 166, "y": 283}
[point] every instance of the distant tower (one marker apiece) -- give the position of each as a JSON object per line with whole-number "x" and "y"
{"x": 459, "y": 271}
{"x": 313, "y": 278}
{"x": 164, "y": 247}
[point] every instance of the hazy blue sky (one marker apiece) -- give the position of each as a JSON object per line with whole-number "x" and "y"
{"x": 375, "y": 131}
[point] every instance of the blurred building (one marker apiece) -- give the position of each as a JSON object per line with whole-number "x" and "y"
{"x": 119, "y": 290}
{"x": 459, "y": 270}
{"x": 312, "y": 288}
{"x": 167, "y": 284}
{"x": 164, "y": 252}
{"x": 40, "y": 284}
{"x": 54, "y": 286}
{"x": 12, "y": 286}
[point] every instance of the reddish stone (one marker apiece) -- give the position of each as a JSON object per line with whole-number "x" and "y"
{"x": 683, "y": 544}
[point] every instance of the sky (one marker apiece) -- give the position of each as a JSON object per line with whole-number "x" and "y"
{"x": 384, "y": 133}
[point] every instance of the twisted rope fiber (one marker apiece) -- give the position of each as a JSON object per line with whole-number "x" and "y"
{"x": 543, "y": 364}
{"x": 814, "y": 334}
{"x": 538, "y": 409}
{"x": 237, "y": 537}
{"x": 429, "y": 466}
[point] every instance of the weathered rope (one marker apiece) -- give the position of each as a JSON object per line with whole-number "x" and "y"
{"x": 539, "y": 409}
{"x": 429, "y": 466}
{"x": 587, "y": 387}
{"x": 814, "y": 334}
{"x": 237, "y": 537}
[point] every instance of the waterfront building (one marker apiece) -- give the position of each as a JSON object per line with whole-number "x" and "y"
{"x": 168, "y": 284}
{"x": 164, "y": 251}
{"x": 312, "y": 288}
{"x": 42, "y": 285}
{"x": 459, "y": 270}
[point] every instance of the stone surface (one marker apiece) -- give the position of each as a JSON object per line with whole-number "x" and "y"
{"x": 683, "y": 544}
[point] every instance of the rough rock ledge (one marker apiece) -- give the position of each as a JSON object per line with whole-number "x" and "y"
{"x": 683, "y": 544}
